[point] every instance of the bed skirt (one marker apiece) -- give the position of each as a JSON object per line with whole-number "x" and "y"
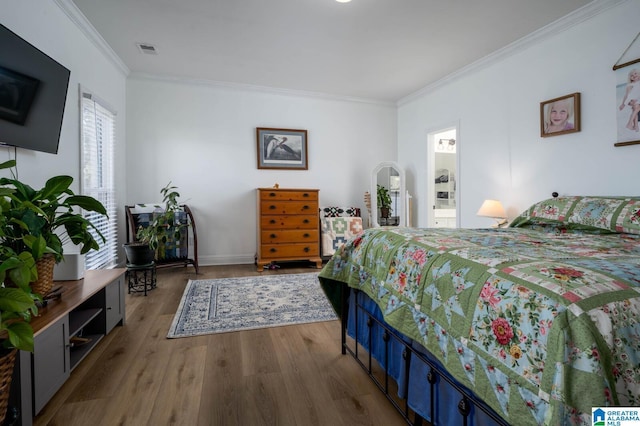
{"x": 423, "y": 390}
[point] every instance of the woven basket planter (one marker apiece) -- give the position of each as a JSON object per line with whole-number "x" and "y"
{"x": 7, "y": 362}
{"x": 44, "y": 283}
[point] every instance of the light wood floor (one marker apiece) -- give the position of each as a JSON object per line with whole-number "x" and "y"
{"x": 293, "y": 375}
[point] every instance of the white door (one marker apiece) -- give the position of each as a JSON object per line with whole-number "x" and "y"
{"x": 443, "y": 172}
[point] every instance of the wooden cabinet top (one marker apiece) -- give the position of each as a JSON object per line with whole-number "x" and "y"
{"x": 73, "y": 294}
{"x": 288, "y": 189}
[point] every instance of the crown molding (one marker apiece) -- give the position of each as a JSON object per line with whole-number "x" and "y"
{"x": 592, "y": 9}
{"x": 78, "y": 18}
{"x": 254, "y": 88}
{"x": 578, "y": 16}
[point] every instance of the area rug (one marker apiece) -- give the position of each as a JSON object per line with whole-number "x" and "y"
{"x": 234, "y": 304}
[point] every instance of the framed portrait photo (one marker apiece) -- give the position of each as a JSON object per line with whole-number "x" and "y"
{"x": 284, "y": 149}
{"x": 560, "y": 116}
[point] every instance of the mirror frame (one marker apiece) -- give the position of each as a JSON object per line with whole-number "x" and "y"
{"x": 402, "y": 204}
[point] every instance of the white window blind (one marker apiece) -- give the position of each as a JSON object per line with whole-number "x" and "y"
{"x": 97, "y": 176}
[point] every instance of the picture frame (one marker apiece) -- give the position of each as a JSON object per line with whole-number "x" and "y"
{"x": 560, "y": 116}
{"x": 17, "y": 92}
{"x": 281, "y": 149}
{"x": 627, "y": 89}
{"x": 627, "y": 109}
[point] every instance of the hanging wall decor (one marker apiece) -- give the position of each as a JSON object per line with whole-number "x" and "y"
{"x": 628, "y": 95}
{"x": 560, "y": 115}
{"x": 284, "y": 149}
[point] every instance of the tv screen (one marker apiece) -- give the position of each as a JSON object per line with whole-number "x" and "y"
{"x": 33, "y": 91}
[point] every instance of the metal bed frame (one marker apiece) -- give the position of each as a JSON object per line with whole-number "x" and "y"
{"x": 468, "y": 399}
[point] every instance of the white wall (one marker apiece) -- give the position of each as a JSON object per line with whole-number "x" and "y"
{"x": 46, "y": 26}
{"x": 497, "y": 106}
{"x": 202, "y": 137}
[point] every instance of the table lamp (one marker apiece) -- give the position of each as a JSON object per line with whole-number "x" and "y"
{"x": 494, "y": 209}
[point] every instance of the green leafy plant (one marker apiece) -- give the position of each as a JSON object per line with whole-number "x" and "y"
{"x": 384, "y": 199}
{"x": 41, "y": 221}
{"x": 17, "y": 303}
{"x": 163, "y": 223}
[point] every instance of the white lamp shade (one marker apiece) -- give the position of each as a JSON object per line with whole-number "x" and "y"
{"x": 492, "y": 208}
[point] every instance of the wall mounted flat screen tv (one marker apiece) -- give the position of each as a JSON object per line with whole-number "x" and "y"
{"x": 33, "y": 92}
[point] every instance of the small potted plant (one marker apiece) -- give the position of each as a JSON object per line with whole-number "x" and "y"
{"x": 164, "y": 225}
{"x": 384, "y": 202}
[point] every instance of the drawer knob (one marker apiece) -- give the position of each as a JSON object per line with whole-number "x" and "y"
{"x": 273, "y": 250}
{"x": 305, "y": 221}
{"x": 272, "y": 221}
{"x": 272, "y": 236}
{"x": 306, "y": 235}
{"x": 307, "y": 249}
{"x": 305, "y": 207}
{"x": 305, "y": 195}
{"x": 272, "y": 207}
{"x": 272, "y": 194}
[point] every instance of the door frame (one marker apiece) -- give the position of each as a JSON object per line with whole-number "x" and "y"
{"x": 431, "y": 142}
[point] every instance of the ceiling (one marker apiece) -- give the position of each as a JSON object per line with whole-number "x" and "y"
{"x": 380, "y": 50}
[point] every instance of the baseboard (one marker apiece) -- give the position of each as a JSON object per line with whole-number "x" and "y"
{"x": 227, "y": 260}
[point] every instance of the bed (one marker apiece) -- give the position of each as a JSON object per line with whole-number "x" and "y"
{"x": 536, "y": 323}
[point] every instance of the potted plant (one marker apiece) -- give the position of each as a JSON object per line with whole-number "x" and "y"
{"x": 384, "y": 202}
{"x": 17, "y": 301}
{"x": 41, "y": 221}
{"x": 17, "y": 307}
{"x": 164, "y": 225}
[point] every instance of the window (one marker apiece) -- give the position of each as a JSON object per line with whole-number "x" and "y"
{"x": 97, "y": 175}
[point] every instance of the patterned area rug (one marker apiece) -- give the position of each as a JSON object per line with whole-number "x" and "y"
{"x": 233, "y": 304}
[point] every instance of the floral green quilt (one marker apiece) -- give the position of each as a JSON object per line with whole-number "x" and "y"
{"x": 542, "y": 319}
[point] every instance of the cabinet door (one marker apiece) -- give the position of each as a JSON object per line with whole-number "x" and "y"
{"x": 114, "y": 298}
{"x": 50, "y": 362}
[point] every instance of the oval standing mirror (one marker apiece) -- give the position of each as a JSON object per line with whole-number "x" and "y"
{"x": 388, "y": 192}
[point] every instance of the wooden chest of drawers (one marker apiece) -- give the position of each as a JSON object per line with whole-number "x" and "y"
{"x": 288, "y": 226}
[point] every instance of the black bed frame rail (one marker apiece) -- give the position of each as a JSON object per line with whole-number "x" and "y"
{"x": 467, "y": 400}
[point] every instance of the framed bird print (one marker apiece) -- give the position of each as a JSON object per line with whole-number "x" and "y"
{"x": 283, "y": 149}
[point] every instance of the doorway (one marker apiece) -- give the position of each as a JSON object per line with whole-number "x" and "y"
{"x": 443, "y": 187}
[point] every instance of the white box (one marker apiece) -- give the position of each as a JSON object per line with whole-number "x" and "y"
{"x": 70, "y": 268}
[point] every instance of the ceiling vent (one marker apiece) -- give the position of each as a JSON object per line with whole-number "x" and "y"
{"x": 147, "y": 49}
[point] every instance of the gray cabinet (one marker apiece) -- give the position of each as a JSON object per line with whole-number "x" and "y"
{"x": 65, "y": 332}
{"x": 50, "y": 362}
{"x": 114, "y": 295}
